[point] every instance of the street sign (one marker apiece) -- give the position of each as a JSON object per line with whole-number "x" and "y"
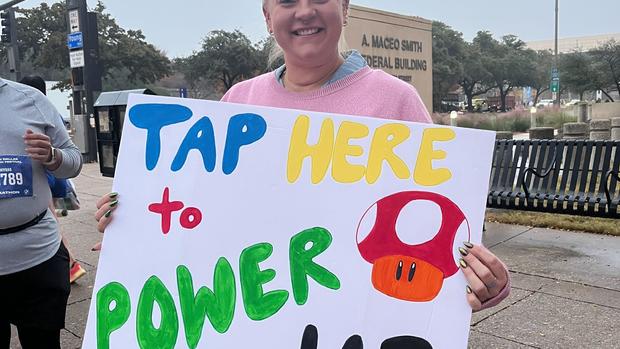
{"x": 75, "y": 41}
{"x": 555, "y": 85}
{"x": 555, "y": 74}
{"x": 74, "y": 21}
{"x": 76, "y": 59}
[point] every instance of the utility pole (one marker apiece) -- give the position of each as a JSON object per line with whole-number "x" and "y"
{"x": 83, "y": 43}
{"x": 555, "y": 78}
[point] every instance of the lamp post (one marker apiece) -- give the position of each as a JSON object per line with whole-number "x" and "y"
{"x": 556, "y": 58}
{"x": 453, "y": 116}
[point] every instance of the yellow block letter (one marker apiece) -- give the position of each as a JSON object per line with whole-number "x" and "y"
{"x": 321, "y": 153}
{"x": 382, "y": 149}
{"x": 424, "y": 173}
{"x": 342, "y": 170}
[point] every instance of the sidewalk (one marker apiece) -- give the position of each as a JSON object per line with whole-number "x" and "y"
{"x": 566, "y": 285}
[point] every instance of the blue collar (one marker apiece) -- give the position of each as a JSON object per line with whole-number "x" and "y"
{"x": 352, "y": 64}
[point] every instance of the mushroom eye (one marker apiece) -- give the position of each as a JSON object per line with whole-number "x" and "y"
{"x": 411, "y": 272}
{"x": 399, "y": 270}
{"x": 418, "y": 222}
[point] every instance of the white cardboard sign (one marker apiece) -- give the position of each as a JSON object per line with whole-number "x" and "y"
{"x": 241, "y": 226}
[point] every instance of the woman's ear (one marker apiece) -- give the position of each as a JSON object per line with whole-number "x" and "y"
{"x": 267, "y": 16}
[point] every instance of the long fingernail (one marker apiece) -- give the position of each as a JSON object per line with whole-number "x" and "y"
{"x": 468, "y": 244}
{"x": 107, "y": 214}
{"x": 113, "y": 195}
{"x": 468, "y": 289}
{"x": 462, "y": 263}
{"x": 113, "y": 203}
{"x": 463, "y": 252}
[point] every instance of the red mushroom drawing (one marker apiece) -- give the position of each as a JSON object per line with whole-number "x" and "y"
{"x": 410, "y": 272}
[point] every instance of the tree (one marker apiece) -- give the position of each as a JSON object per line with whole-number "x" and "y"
{"x": 448, "y": 55}
{"x": 127, "y": 60}
{"x": 226, "y": 57}
{"x": 541, "y": 74}
{"x": 508, "y": 62}
{"x": 577, "y": 73}
{"x": 475, "y": 78}
{"x": 606, "y": 59}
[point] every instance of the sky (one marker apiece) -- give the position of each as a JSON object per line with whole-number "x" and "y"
{"x": 178, "y": 29}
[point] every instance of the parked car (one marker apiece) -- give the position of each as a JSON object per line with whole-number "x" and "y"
{"x": 480, "y": 105}
{"x": 572, "y": 102}
{"x": 544, "y": 103}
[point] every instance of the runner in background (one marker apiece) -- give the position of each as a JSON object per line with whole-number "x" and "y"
{"x": 34, "y": 263}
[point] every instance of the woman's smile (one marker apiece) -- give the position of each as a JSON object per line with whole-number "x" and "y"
{"x": 307, "y": 31}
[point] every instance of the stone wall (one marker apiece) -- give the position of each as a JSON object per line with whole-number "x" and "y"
{"x": 596, "y": 110}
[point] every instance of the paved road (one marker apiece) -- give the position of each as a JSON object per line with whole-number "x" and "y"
{"x": 566, "y": 285}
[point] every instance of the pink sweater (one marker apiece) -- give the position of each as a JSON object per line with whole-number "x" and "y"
{"x": 367, "y": 92}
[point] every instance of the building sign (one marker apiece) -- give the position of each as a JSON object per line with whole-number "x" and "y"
{"x": 399, "y": 45}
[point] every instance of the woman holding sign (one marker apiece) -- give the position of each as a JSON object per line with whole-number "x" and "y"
{"x": 317, "y": 77}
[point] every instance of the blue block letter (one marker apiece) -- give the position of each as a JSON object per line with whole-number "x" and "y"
{"x": 153, "y": 117}
{"x": 201, "y": 137}
{"x": 243, "y": 129}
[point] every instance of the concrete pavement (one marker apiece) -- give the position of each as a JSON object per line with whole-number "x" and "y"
{"x": 566, "y": 285}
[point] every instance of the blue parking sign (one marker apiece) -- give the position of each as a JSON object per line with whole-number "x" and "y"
{"x": 75, "y": 41}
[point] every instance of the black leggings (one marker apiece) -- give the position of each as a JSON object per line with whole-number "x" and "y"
{"x": 35, "y": 301}
{"x": 30, "y": 338}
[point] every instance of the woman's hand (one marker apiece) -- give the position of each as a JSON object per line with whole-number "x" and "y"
{"x": 487, "y": 277}
{"x": 105, "y": 206}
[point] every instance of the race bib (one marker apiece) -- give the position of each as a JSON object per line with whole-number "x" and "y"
{"x": 15, "y": 176}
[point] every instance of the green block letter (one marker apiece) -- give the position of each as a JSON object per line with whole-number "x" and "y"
{"x": 259, "y": 305}
{"x": 218, "y": 305}
{"x": 302, "y": 265}
{"x": 149, "y": 336}
{"x": 108, "y": 320}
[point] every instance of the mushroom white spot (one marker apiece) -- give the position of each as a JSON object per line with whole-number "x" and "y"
{"x": 244, "y": 129}
{"x": 112, "y": 305}
{"x": 418, "y": 222}
{"x": 462, "y": 234}
{"x": 309, "y": 245}
{"x": 367, "y": 223}
{"x": 199, "y": 133}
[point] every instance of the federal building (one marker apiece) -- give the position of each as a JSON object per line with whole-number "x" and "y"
{"x": 400, "y": 45}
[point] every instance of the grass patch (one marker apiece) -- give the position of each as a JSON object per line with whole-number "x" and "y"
{"x": 607, "y": 226}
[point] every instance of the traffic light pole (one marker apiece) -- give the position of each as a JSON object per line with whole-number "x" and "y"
{"x": 557, "y": 13}
{"x": 10, "y": 4}
{"x": 12, "y": 48}
{"x": 86, "y": 75}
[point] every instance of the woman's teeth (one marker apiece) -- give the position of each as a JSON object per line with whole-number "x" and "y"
{"x": 305, "y": 32}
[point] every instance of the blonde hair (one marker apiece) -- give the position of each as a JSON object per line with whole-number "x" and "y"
{"x": 276, "y": 53}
